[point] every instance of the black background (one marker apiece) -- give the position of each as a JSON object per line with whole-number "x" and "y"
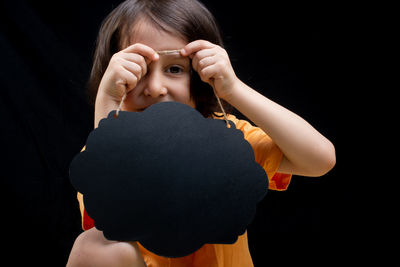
{"x": 293, "y": 54}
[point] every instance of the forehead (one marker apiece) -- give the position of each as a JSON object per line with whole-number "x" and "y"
{"x": 145, "y": 32}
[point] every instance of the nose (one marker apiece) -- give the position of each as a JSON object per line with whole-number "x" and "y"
{"x": 154, "y": 85}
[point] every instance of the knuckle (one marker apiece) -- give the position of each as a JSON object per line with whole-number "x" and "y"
{"x": 132, "y": 82}
{"x": 201, "y": 54}
{"x": 136, "y": 68}
{"x": 221, "y": 64}
{"x": 141, "y": 60}
{"x": 223, "y": 50}
{"x": 202, "y": 63}
{"x": 119, "y": 69}
{"x": 136, "y": 45}
{"x": 144, "y": 72}
{"x": 204, "y": 42}
{"x": 113, "y": 58}
{"x": 116, "y": 59}
{"x": 120, "y": 83}
{"x": 134, "y": 79}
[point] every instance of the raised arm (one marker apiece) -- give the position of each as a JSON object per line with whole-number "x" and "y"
{"x": 306, "y": 152}
{"x": 124, "y": 71}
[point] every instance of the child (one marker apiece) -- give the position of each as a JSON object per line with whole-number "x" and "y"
{"x": 131, "y": 65}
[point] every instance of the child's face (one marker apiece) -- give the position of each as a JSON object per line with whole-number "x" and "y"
{"x": 168, "y": 78}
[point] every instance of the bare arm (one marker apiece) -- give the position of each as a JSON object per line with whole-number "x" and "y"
{"x": 124, "y": 71}
{"x": 306, "y": 152}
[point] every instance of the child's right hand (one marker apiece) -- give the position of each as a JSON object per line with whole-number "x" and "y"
{"x": 124, "y": 71}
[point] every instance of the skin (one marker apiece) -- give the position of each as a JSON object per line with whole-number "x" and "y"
{"x": 149, "y": 78}
{"x": 146, "y": 77}
{"x": 91, "y": 248}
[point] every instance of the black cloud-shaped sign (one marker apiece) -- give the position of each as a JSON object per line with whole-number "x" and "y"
{"x": 169, "y": 178}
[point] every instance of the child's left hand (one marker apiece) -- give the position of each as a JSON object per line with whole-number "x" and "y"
{"x": 213, "y": 65}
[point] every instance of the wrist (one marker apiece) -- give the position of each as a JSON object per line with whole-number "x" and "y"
{"x": 234, "y": 91}
{"x": 103, "y": 105}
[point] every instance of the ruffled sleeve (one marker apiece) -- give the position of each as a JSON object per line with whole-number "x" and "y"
{"x": 266, "y": 153}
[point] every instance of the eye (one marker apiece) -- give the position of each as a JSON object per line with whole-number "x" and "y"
{"x": 174, "y": 69}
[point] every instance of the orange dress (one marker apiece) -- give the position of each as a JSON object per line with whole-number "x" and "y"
{"x": 269, "y": 156}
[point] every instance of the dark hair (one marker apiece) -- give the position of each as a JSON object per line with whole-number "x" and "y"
{"x": 189, "y": 19}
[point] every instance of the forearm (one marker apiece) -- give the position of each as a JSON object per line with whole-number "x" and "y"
{"x": 308, "y": 152}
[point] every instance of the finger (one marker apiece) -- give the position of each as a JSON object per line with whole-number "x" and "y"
{"x": 127, "y": 80}
{"x": 208, "y": 73}
{"x": 207, "y": 52}
{"x": 195, "y": 46}
{"x": 134, "y": 68}
{"x": 207, "y": 61}
{"x": 200, "y": 55}
{"x": 146, "y": 51}
{"x": 136, "y": 59}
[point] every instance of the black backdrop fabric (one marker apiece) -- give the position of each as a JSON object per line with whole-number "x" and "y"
{"x": 288, "y": 53}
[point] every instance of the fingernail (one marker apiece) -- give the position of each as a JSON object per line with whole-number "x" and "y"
{"x": 156, "y": 56}
{"x": 183, "y": 51}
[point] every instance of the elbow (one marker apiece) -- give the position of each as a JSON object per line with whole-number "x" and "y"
{"x": 317, "y": 162}
{"x": 327, "y": 160}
